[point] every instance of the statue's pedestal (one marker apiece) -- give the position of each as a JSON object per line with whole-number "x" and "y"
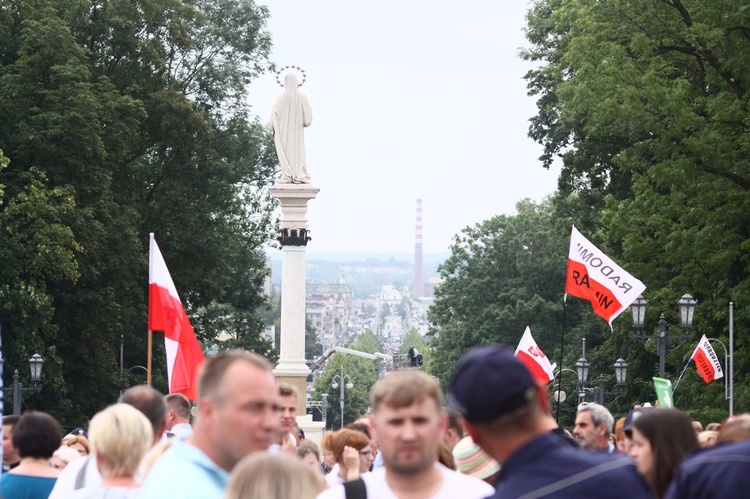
{"x": 293, "y": 238}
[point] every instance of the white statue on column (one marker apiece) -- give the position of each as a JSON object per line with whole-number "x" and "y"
{"x": 291, "y": 114}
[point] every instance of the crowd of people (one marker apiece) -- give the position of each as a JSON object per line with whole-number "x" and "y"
{"x": 494, "y": 437}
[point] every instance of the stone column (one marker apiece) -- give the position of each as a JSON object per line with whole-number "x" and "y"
{"x": 293, "y": 238}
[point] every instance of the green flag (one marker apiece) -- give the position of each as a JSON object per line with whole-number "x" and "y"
{"x": 663, "y": 389}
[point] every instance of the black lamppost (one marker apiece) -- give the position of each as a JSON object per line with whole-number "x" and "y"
{"x": 342, "y": 380}
{"x": 663, "y": 338}
{"x": 20, "y": 392}
{"x": 599, "y": 393}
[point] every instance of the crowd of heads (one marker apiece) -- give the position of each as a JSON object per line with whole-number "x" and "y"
{"x": 245, "y": 424}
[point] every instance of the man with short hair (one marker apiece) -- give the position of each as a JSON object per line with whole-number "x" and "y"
{"x": 11, "y": 459}
{"x": 455, "y": 430}
{"x": 409, "y": 419}
{"x": 237, "y": 414}
{"x": 593, "y": 426}
{"x": 286, "y": 439}
{"x": 83, "y": 472}
{"x": 511, "y": 427}
{"x": 178, "y": 416}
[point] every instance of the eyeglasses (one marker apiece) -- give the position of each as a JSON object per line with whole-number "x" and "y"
{"x": 367, "y": 453}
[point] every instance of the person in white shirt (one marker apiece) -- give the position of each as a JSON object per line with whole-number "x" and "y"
{"x": 178, "y": 416}
{"x": 409, "y": 419}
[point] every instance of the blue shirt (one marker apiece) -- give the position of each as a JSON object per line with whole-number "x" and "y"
{"x": 545, "y": 467}
{"x": 25, "y": 486}
{"x": 719, "y": 472}
{"x": 186, "y": 472}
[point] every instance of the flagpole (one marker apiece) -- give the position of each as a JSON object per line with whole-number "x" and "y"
{"x": 562, "y": 346}
{"x": 730, "y": 377}
{"x": 148, "y": 360}
{"x": 681, "y": 374}
{"x": 149, "y": 354}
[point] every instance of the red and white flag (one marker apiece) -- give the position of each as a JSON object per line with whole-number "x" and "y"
{"x": 166, "y": 313}
{"x": 534, "y": 359}
{"x": 593, "y": 276}
{"x": 707, "y": 361}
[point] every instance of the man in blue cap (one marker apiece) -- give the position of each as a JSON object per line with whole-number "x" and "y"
{"x": 506, "y": 417}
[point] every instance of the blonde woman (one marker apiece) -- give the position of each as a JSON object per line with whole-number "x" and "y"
{"x": 120, "y": 436}
{"x": 274, "y": 476}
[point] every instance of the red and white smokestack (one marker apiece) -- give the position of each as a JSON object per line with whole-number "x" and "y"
{"x": 418, "y": 261}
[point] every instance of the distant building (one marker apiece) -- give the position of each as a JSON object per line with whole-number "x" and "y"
{"x": 390, "y": 295}
{"x": 432, "y": 283}
{"x": 328, "y": 308}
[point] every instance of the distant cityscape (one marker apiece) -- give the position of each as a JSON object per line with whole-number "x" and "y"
{"x": 347, "y": 294}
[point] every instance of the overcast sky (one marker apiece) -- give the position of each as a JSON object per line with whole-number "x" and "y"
{"x": 411, "y": 99}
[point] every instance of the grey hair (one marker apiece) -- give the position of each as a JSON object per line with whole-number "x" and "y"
{"x": 599, "y": 415}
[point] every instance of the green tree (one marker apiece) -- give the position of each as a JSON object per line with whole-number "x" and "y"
{"x": 362, "y": 372}
{"x": 503, "y": 274}
{"x": 367, "y": 342}
{"x": 38, "y": 251}
{"x": 645, "y": 103}
{"x": 313, "y": 349}
{"x": 133, "y": 116}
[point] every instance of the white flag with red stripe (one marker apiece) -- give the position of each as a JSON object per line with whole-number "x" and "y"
{"x": 166, "y": 313}
{"x": 534, "y": 359}
{"x": 707, "y": 361}
{"x": 593, "y": 276}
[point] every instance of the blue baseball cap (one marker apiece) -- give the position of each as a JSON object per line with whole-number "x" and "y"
{"x": 630, "y": 418}
{"x": 490, "y": 382}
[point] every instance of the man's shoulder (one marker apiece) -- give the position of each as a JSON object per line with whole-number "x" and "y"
{"x": 583, "y": 474}
{"x": 184, "y": 471}
{"x": 721, "y": 471}
{"x": 738, "y": 451}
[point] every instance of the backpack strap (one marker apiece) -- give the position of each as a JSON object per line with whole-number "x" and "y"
{"x": 355, "y": 489}
{"x": 81, "y": 475}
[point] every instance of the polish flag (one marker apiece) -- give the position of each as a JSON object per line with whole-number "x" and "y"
{"x": 534, "y": 359}
{"x": 707, "y": 361}
{"x": 166, "y": 313}
{"x": 594, "y": 277}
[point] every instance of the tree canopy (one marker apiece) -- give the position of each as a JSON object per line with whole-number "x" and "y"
{"x": 645, "y": 105}
{"x": 120, "y": 119}
{"x": 363, "y": 373}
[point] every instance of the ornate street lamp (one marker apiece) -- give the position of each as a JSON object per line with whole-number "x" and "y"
{"x": 687, "y": 310}
{"x": 638, "y": 308}
{"x": 663, "y": 339}
{"x": 621, "y": 371}
{"x": 340, "y": 380}
{"x": 582, "y": 370}
{"x": 600, "y": 394}
{"x": 36, "y": 362}
{"x": 20, "y": 392}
